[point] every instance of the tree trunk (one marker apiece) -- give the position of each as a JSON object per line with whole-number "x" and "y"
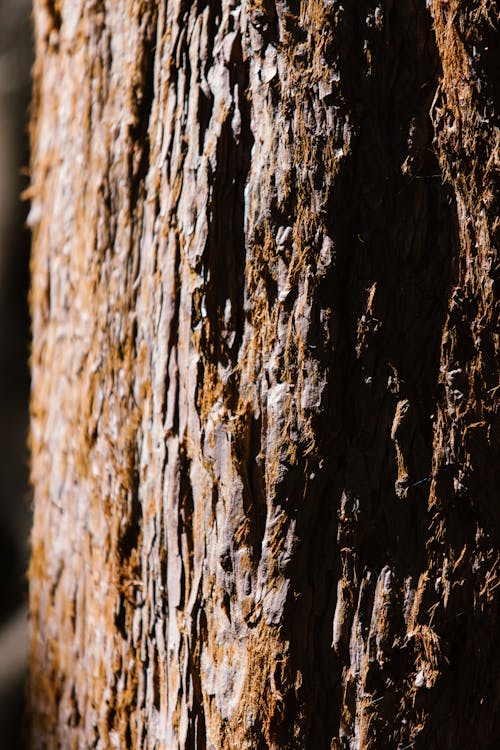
{"x": 264, "y": 434}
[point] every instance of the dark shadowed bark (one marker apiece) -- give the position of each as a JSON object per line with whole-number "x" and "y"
{"x": 264, "y": 433}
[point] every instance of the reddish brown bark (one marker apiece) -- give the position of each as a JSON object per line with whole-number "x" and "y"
{"x": 263, "y": 413}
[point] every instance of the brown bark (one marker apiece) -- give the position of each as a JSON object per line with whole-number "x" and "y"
{"x": 265, "y": 453}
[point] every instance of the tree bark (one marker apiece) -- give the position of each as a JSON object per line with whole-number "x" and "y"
{"x": 265, "y": 372}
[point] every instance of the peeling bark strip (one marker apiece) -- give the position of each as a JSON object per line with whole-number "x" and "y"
{"x": 264, "y": 432}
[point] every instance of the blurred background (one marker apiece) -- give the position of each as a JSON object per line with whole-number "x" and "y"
{"x": 15, "y": 65}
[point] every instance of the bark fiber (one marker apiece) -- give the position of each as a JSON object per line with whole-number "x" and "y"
{"x": 265, "y": 375}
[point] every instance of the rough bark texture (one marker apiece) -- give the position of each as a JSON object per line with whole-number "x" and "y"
{"x": 265, "y": 453}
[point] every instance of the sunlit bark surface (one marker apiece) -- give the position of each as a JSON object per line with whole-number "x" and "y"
{"x": 265, "y": 454}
